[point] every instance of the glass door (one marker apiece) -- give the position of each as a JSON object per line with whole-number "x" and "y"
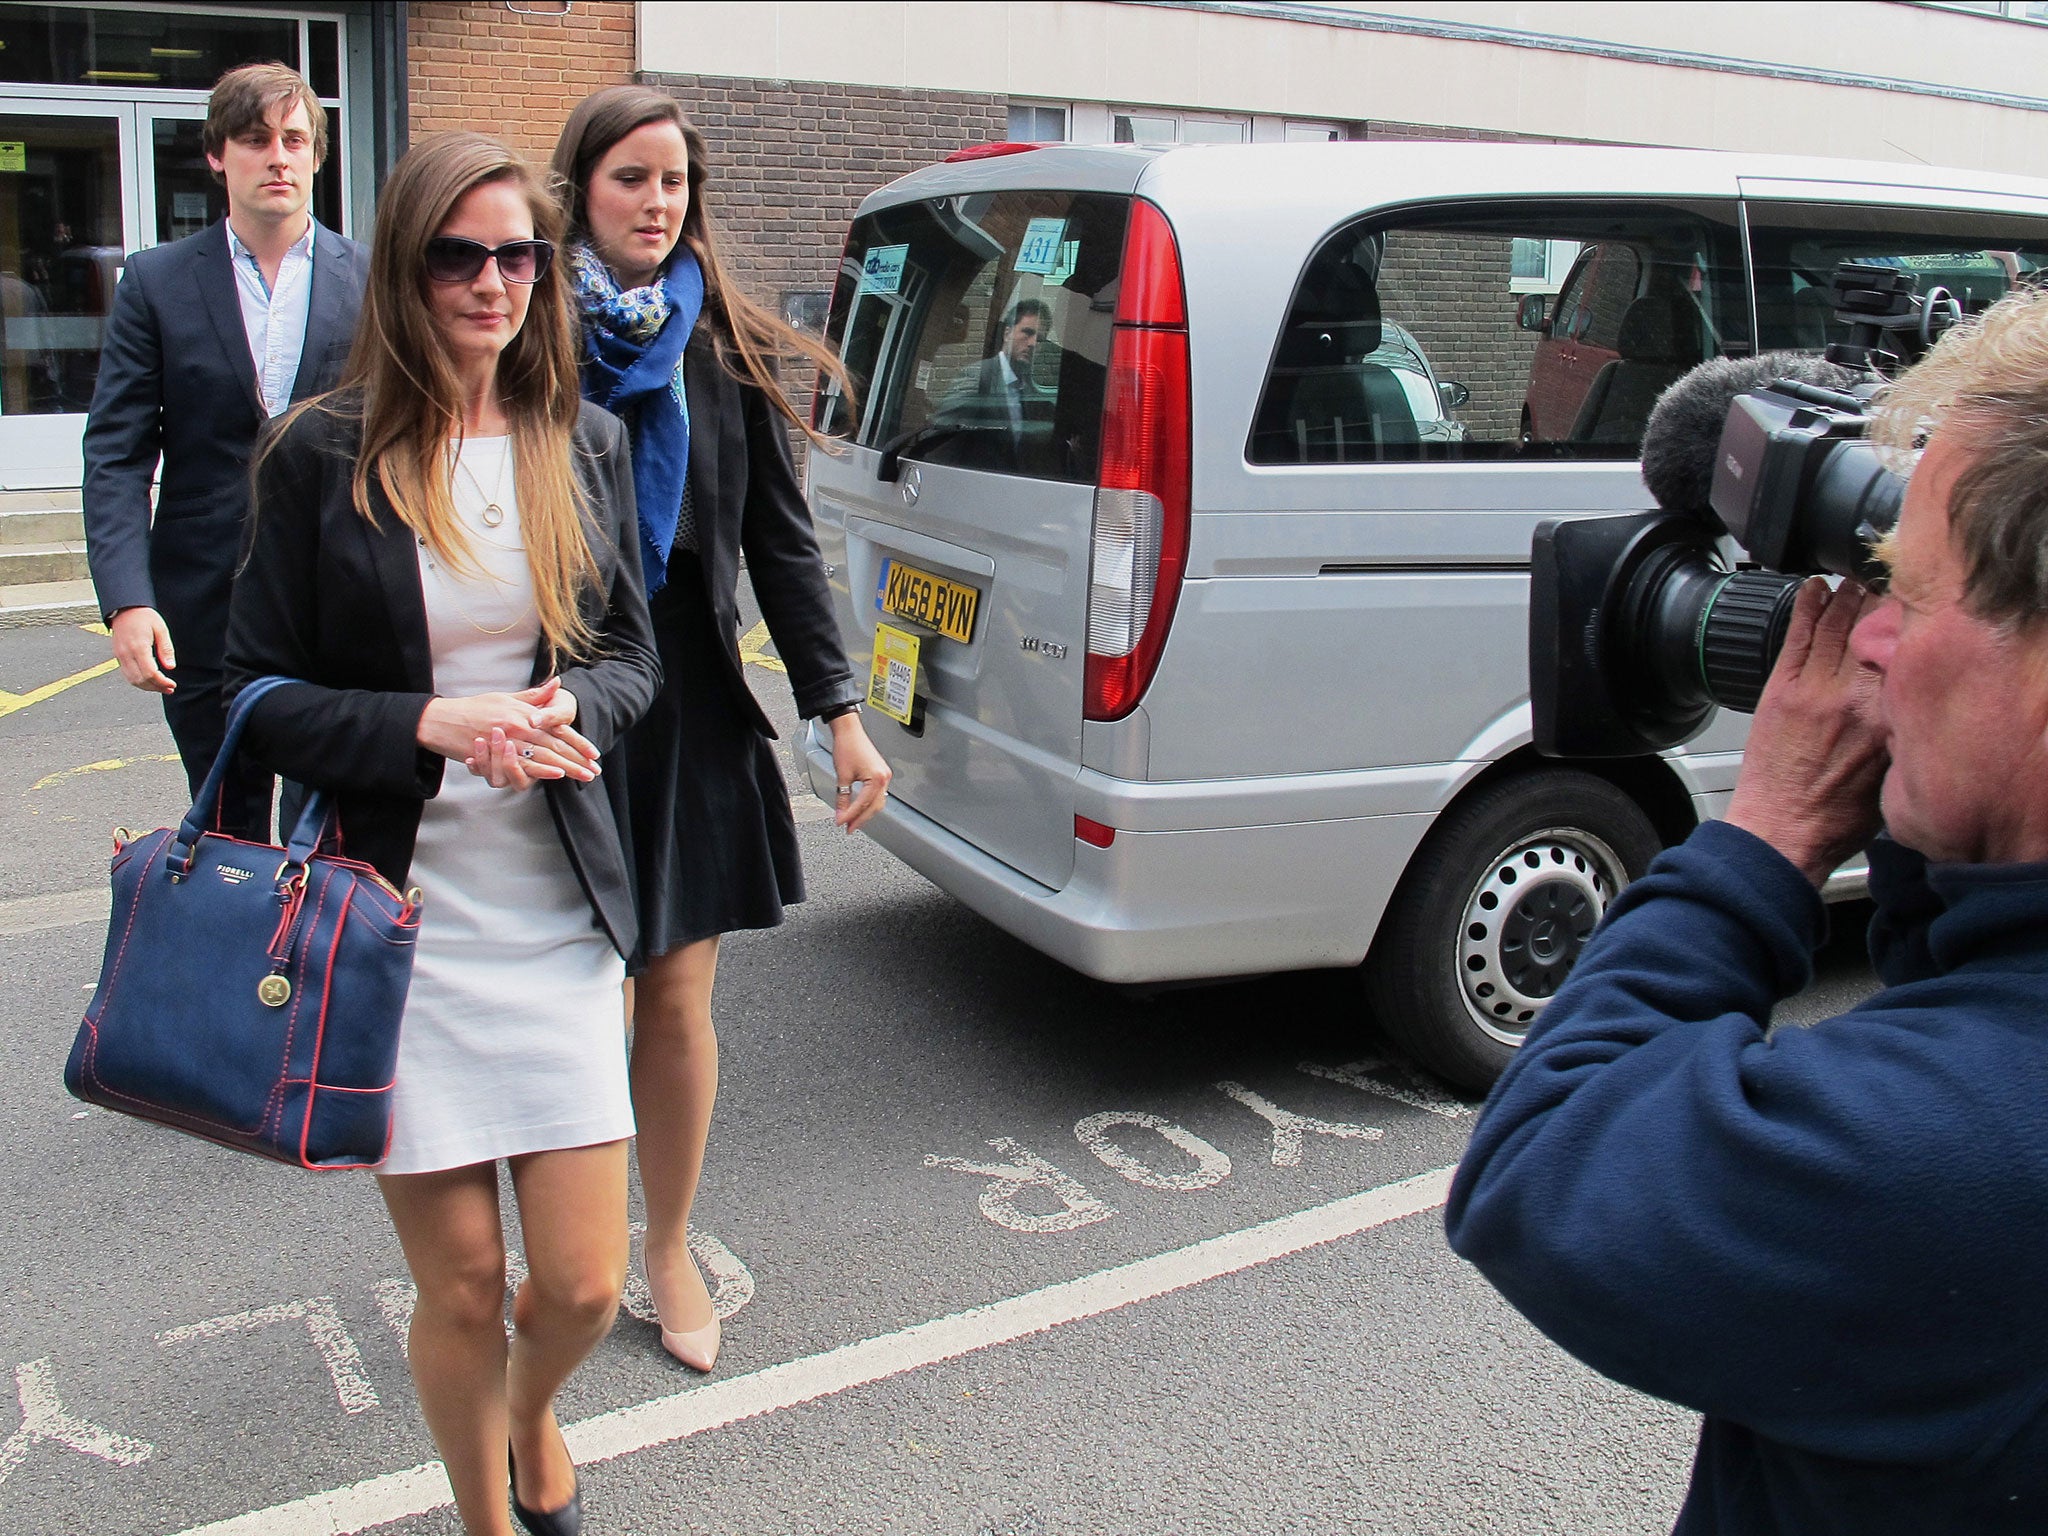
{"x": 178, "y": 194}
{"x": 68, "y": 215}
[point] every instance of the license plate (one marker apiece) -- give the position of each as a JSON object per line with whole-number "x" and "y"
{"x": 934, "y": 601}
{"x": 892, "y": 680}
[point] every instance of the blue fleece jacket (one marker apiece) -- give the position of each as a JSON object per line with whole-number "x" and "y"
{"x": 1831, "y": 1240}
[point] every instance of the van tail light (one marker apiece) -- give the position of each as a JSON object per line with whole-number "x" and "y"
{"x": 1140, "y": 545}
{"x": 1094, "y": 833}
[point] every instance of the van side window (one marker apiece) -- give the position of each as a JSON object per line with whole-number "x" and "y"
{"x": 976, "y": 330}
{"x": 1977, "y": 257}
{"x": 1405, "y": 340}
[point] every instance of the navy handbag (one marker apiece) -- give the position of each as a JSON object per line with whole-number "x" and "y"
{"x": 250, "y": 994}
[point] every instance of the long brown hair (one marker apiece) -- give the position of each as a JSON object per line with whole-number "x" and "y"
{"x": 751, "y": 338}
{"x": 412, "y": 401}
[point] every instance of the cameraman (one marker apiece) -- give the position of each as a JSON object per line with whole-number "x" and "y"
{"x": 1832, "y": 1241}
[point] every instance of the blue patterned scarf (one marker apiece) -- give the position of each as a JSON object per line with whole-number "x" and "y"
{"x": 633, "y": 343}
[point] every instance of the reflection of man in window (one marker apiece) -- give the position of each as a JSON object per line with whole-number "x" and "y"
{"x": 998, "y": 389}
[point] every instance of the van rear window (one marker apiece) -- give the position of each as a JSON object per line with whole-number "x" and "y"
{"x": 976, "y": 330}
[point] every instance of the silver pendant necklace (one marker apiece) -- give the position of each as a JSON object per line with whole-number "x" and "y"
{"x": 493, "y": 514}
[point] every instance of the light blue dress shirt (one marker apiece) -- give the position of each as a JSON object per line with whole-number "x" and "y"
{"x": 275, "y": 318}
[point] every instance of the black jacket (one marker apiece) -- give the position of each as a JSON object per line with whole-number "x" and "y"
{"x": 744, "y": 491}
{"x": 329, "y": 599}
{"x": 176, "y": 382}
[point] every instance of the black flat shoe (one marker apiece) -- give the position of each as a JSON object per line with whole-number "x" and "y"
{"x": 566, "y": 1521}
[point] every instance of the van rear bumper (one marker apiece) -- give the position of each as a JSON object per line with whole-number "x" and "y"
{"x": 1181, "y": 905}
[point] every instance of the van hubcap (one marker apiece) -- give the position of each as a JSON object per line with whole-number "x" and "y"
{"x": 1526, "y": 921}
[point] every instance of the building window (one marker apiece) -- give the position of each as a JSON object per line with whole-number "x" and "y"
{"x": 2012, "y": 10}
{"x": 1539, "y": 266}
{"x": 1128, "y": 126}
{"x": 1031, "y": 123}
{"x": 1313, "y": 133}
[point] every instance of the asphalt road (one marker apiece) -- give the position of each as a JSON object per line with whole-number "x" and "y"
{"x": 1004, "y": 1252}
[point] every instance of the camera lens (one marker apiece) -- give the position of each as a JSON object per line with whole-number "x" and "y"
{"x": 1741, "y": 633}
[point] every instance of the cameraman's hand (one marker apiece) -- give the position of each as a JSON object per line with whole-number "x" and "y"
{"x": 1816, "y": 755}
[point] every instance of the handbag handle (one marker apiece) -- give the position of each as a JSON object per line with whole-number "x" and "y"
{"x": 311, "y": 828}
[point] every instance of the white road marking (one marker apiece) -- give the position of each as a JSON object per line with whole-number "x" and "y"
{"x": 624, "y": 1431}
{"x": 1391, "y": 1080}
{"x": 1211, "y": 1165}
{"x": 1288, "y": 1126}
{"x": 324, "y": 1327}
{"x": 60, "y": 909}
{"x": 44, "y": 1417}
{"x": 1029, "y": 1171}
{"x": 396, "y": 1300}
{"x": 732, "y": 1283}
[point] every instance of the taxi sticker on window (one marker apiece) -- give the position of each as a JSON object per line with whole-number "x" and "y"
{"x": 882, "y": 271}
{"x": 892, "y": 681}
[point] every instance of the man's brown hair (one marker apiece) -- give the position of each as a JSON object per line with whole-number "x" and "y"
{"x": 244, "y": 98}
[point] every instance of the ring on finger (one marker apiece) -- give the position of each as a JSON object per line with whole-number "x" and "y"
{"x": 526, "y": 751}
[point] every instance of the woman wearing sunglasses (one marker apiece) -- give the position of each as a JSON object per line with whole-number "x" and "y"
{"x": 443, "y": 550}
{"x": 688, "y": 360}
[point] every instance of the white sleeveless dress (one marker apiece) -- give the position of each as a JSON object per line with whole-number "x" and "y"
{"x": 514, "y": 1033}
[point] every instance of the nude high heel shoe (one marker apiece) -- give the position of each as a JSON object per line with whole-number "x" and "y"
{"x": 698, "y": 1349}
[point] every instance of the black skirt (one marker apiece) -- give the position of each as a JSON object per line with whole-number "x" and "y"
{"x": 714, "y": 842}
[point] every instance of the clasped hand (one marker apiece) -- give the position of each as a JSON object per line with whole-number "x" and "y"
{"x": 512, "y": 740}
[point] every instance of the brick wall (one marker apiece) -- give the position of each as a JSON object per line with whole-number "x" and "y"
{"x": 512, "y": 74}
{"x": 1380, "y": 131}
{"x": 1450, "y": 289}
{"x": 791, "y": 160}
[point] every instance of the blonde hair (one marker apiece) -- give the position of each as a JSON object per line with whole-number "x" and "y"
{"x": 1986, "y": 383}
{"x": 750, "y": 338}
{"x": 411, "y": 402}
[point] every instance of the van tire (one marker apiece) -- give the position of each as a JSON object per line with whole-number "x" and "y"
{"x": 1455, "y": 986}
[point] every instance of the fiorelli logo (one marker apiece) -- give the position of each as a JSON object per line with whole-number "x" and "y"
{"x": 234, "y": 876}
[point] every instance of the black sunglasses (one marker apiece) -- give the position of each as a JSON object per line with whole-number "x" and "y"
{"x": 452, "y": 259}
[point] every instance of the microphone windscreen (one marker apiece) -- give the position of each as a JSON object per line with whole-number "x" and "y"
{"x": 1684, "y": 432}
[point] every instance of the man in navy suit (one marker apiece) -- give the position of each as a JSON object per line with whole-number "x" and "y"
{"x": 211, "y": 337}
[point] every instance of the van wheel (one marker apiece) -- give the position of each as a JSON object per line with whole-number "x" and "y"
{"x": 1493, "y": 912}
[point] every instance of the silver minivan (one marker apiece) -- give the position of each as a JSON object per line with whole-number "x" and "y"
{"x": 1184, "y": 520}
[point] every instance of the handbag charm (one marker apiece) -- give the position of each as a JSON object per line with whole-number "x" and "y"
{"x": 250, "y": 994}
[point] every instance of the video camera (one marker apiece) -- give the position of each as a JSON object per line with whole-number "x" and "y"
{"x": 1639, "y": 626}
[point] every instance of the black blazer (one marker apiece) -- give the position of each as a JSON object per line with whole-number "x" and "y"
{"x": 329, "y": 599}
{"x": 744, "y": 492}
{"x": 176, "y": 381}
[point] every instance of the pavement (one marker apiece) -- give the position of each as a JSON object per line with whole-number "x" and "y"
{"x": 1003, "y": 1252}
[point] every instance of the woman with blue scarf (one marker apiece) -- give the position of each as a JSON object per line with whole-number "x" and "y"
{"x": 672, "y": 347}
